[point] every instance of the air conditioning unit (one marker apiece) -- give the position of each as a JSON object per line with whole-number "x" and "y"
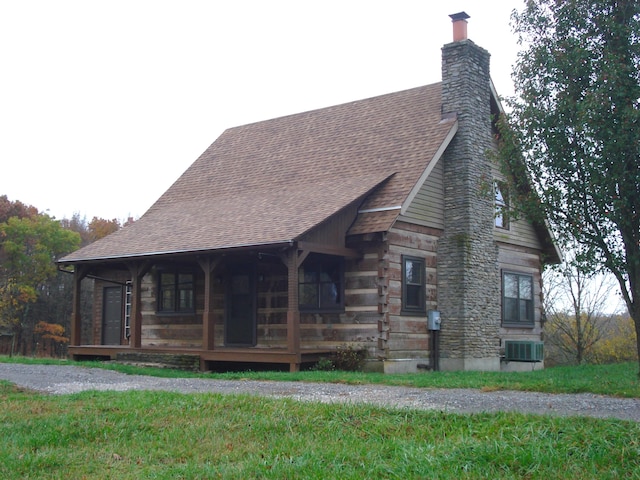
{"x": 523, "y": 351}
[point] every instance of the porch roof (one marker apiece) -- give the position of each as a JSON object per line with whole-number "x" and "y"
{"x": 204, "y": 224}
{"x": 275, "y": 180}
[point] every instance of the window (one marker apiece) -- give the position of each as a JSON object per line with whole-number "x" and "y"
{"x": 517, "y": 300}
{"x": 413, "y": 285}
{"x": 175, "y": 292}
{"x": 502, "y": 205}
{"x": 320, "y": 283}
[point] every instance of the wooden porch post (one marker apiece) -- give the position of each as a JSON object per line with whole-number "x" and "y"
{"x": 137, "y": 271}
{"x": 208, "y": 265}
{"x": 79, "y": 273}
{"x": 293, "y": 311}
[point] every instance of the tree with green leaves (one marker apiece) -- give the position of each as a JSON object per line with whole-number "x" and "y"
{"x": 574, "y": 132}
{"x": 29, "y": 247}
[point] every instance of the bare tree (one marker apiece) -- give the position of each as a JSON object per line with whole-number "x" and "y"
{"x": 575, "y": 305}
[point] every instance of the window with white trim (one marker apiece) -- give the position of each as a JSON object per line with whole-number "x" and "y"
{"x": 501, "y": 205}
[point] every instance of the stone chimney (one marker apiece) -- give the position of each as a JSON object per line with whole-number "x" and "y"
{"x": 459, "y": 21}
{"x": 468, "y": 271}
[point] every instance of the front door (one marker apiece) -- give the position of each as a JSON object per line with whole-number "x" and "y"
{"x": 240, "y": 319}
{"x": 112, "y": 316}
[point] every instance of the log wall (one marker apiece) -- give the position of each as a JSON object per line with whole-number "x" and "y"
{"x": 406, "y": 336}
{"x": 357, "y": 326}
{"x": 169, "y": 329}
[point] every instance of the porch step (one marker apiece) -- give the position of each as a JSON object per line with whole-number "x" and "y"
{"x": 162, "y": 360}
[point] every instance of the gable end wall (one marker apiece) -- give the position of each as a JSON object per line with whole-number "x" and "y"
{"x": 427, "y": 208}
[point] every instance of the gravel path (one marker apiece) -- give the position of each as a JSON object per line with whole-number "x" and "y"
{"x": 55, "y": 379}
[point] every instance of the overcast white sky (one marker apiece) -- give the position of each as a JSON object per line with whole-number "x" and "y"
{"x": 103, "y": 104}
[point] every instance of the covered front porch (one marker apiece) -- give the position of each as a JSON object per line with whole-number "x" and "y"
{"x": 237, "y": 305}
{"x": 206, "y": 358}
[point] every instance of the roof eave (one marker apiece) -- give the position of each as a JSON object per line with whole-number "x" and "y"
{"x": 553, "y": 254}
{"x": 146, "y": 255}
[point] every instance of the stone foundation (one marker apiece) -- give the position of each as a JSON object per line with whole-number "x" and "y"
{"x": 162, "y": 360}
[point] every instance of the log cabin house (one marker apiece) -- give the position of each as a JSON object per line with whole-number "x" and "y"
{"x": 369, "y": 224}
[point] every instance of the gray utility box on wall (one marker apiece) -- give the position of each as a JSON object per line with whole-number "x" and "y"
{"x": 433, "y": 320}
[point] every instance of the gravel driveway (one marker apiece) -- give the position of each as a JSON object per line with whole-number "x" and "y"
{"x": 56, "y": 379}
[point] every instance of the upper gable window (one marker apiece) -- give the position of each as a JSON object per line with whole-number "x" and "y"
{"x": 501, "y": 205}
{"x": 320, "y": 283}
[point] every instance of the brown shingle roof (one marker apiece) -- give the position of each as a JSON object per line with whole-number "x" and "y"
{"x": 272, "y": 181}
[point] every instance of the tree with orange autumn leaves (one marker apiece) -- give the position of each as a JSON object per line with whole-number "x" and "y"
{"x": 52, "y": 333}
{"x": 30, "y": 244}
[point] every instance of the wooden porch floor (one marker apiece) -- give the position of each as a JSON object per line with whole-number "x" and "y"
{"x": 207, "y": 357}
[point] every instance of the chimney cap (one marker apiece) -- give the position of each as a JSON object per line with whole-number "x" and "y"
{"x": 459, "y": 16}
{"x": 459, "y": 26}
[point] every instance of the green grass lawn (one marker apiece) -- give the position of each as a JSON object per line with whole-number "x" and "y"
{"x": 139, "y": 435}
{"x": 167, "y": 435}
{"x": 619, "y": 380}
